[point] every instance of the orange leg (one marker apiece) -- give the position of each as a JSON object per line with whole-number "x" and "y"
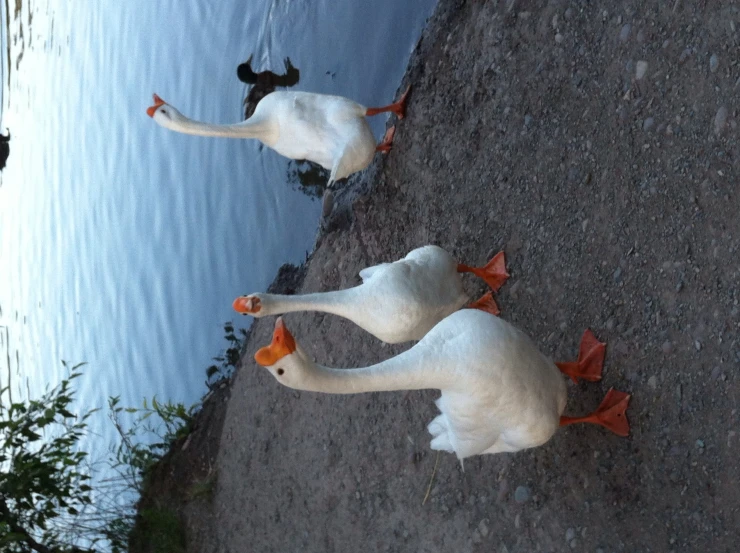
{"x": 486, "y": 303}
{"x": 590, "y": 360}
{"x": 399, "y": 108}
{"x": 611, "y": 414}
{"x": 494, "y": 273}
{"x": 387, "y": 143}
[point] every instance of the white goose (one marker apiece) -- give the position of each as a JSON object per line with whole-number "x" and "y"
{"x": 499, "y": 393}
{"x": 329, "y": 130}
{"x": 396, "y": 302}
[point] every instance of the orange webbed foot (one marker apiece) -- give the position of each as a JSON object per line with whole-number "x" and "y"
{"x": 400, "y": 106}
{"x": 486, "y": 303}
{"x": 590, "y": 362}
{"x": 494, "y": 272}
{"x": 611, "y": 414}
{"x": 387, "y": 143}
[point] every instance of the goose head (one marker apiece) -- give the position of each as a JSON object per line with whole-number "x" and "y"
{"x": 284, "y": 358}
{"x": 164, "y": 114}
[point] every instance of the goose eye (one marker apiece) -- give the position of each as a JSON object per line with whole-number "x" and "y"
{"x": 280, "y": 372}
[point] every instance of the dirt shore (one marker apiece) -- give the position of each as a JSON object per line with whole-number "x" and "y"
{"x": 598, "y": 146}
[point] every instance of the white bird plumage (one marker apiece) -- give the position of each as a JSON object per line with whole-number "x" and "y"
{"x": 396, "y": 302}
{"x": 329, "y": 130}
{"x": 499, "y": 393}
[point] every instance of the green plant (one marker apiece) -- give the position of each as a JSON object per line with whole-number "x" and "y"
{"x": 229, "y": 359}
{"x": 204, "y": 488}
{"x": 159, "y": 531}
{"x": 44, "y": 487}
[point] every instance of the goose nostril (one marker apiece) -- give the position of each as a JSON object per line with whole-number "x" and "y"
{"x": 280, "y": 372}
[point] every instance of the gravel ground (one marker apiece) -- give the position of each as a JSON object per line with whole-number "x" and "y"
{"x": 598, "y": 145}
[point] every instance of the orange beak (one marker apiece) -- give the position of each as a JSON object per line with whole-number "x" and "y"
{"x": 282, "y": 344}
{"x": 245, "y": 305}
{"x": 157, "y": 102}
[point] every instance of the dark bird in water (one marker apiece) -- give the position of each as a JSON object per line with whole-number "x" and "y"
{"x": 264, "y": 82}
{"x": 4, "y": 149}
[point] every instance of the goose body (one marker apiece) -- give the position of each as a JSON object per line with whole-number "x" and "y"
{"x": 396, "y": 302}
{"x": 499, "y": 393}
{"x": 329, "y": 130}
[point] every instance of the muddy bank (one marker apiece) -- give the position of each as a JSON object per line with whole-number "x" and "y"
{"x": 599, "y": 148}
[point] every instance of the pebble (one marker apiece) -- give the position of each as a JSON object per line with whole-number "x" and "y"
{"x": 648, "y": 124}
{"x": 640, "y": 69}
{"x": 667, "y": 347}
{"x": 570, "y": 534}
{"x": 699, "y": 444}
{"x": 713, "y": 63}
{"x": 624, "y": 34}
{"x": 617, "y": 274}
{"x": 720, "y": 120}
{"x": 653, "y": 382}
{"x": 559, "y": 38}
{"x": 522, "y": 494}
{"x": 697, "y": 345}
{"x": 483, "y": 528}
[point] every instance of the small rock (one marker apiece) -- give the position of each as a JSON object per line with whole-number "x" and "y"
{"x": 617, "y": 275}
{"x": 483, "y": 528}
{"x": 653, "y": 382}
{"x": 641, "y": 69}
{"x": 624, "y": 34}
{"x": 514, "y": 289}
{"x": 527, "y": 120}
{"x": 720, "y": 120}
{"x": 699, "y": 444}
{"x": 570, "y": 533}
{"x": 522, "y": 494}
{"x": 713, "y": 63}
{"x": 503, "y": 490}
{"x": 559, "y": 38}
{"x": 648, "y": 124}
{"x": 573, "y": 544}
{"x": 697, "y": 345}
{"x": 568, "y": 13}
{"x": 667, "y": 347}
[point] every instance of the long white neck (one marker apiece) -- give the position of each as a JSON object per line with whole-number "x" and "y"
{"x": 258, "y": 127}
{"x": 411, "y": 370}
{"x": 344, "y": 303}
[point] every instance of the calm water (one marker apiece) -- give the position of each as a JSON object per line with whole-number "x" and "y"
{"x": 123, "y": 244}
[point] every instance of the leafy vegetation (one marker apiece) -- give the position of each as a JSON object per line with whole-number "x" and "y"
{"x": 228, "y": 360}
{"x": 54, "y": 499}
{"x": 44, "y": 486}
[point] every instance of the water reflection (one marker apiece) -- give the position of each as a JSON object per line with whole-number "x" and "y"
{"x": 264, "y": 82}
{"x": 310, "y": 178}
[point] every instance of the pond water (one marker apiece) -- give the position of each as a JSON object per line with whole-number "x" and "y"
{"x": 123, "y": 244}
